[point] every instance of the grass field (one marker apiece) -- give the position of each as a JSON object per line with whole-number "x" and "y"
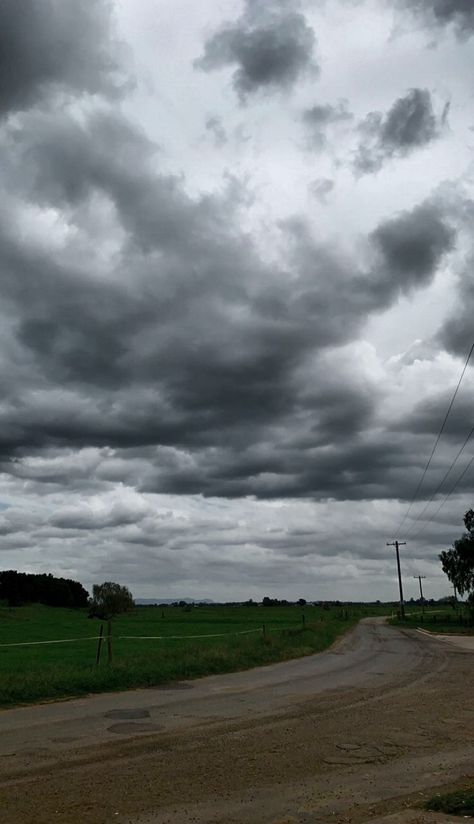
{"x": 31, "y": 673}
{"x": 456, "y": 622}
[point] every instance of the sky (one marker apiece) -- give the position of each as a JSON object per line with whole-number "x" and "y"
{"x": 236, "y": 284}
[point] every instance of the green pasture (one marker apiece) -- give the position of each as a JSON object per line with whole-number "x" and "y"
{"x": 31, "y": 673}
{"x": 457, "y": 621}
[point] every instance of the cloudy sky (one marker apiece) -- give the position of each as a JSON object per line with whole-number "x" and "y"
{"x": 236, "y": 256}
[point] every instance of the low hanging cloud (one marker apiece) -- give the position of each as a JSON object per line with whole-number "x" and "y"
{"x": 48, "y": 46}
{"x": 185, "y": 339}
{"x": 318, "y": 119}
{"x": 410, "y": 124}
{"x": 271, "y": 47}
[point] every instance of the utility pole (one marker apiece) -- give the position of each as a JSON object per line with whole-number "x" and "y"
{"x": 420, "y": 579}
{"x": 397, "y": 544}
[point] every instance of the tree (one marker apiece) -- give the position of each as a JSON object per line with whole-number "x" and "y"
{"x": 109, "y": 599}
{"x": 458, "y": 562}
{"x": 27, "y": 588}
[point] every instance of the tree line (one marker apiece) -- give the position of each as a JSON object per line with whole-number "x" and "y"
{"x": 108, "y": 599}
{"x": 17, "y": 588}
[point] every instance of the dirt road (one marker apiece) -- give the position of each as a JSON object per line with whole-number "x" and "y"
{"x": 346, "y": 736}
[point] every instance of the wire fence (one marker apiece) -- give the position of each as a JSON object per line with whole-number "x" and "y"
{"x": 261, "y": 629}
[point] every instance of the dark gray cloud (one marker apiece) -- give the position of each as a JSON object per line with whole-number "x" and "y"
{"x": 409, "y": 124}
{"x": 49, "y": 45}
{"x": 270, "y": 46}
{"x": 459, "y": 13}
{"x": 456, "y": 332}
{"x": 319, "y": 118}
{"x": 427, "y": 415}
{"x": 156, "y": 341}
{"x": 188, "y": 340}
{"x": 411, "y": 247}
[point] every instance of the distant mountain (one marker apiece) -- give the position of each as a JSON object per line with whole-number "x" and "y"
{"x": 151, "y": 601}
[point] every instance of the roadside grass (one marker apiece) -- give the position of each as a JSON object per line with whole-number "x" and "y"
{"x": 456, "y": 803}
{"x": 34, "y": 673}
{"x": 454, "y": 622}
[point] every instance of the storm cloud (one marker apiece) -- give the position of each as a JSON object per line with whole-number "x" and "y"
{"x": 186, "y": 337}
{"x": 271, "y": 47}
{"x": 409, "y": 124}
{"x": 48, "y": 46}
{"x": 207, "y": 374}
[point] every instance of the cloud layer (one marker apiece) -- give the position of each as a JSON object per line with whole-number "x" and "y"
{"x": 215, "y": 352}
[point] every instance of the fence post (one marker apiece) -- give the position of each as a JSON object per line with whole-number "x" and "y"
{"x": 99, "y": 645}
{"x": 109, "y": 641}
{"x": 303, "y": 619}
{"x": 264, "y": 630}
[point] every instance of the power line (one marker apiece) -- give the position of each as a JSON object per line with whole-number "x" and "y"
{"x": 445, "y": 477}
{"x": 423, "y": 476}
{"x": 457, "y": 481}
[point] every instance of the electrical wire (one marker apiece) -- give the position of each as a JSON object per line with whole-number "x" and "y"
{"x": 458, "y": 480}
{"x": 423, "y": 476}
{"x": 441, "y": 483}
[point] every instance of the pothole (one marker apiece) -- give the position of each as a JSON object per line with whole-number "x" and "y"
{"x": 127, "y": 715}
{"x": 129, "y": 727}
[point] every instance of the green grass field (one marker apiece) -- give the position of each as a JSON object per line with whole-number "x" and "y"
{"x": 32, "y": 673}
{"x": 456, "y": 622}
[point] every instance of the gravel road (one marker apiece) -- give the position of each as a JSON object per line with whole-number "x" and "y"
{"x": 364, "y": 730}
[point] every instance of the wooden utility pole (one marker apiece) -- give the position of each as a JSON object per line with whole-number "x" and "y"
{"x": 109, "y": 641}
{"x": 99, "y": 645}
{"x": 397, "y": 544}
{"x": 420, "y": 579}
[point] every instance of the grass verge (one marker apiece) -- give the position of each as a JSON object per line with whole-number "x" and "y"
{"x": 449, "y": 622}
{"x": 38, "y": 673}
{"x": 456, "y": 803}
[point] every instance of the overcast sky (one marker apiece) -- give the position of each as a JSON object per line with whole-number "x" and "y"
{"x": 236, "y": 255}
